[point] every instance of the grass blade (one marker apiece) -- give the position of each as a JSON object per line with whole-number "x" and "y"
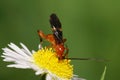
{"x": 103, "y": 75}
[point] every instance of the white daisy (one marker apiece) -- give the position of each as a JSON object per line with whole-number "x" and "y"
{"x": 43, "y": 61}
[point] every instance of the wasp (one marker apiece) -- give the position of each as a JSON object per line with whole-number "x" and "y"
{"x": 57, "y": 41}
{"x": 56, "y": 38}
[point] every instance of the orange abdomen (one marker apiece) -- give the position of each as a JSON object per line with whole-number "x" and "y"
{"x": 59, "y": 50}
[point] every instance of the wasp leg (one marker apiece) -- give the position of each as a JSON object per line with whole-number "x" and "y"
{"x": 64, "y": 40}
{"x": 41, "y": 40}
{"x": 40, "y": 37}
{"x": 66, "y": 53}
{"x": 48, "y": 37}
{"x": 41, "y": 34}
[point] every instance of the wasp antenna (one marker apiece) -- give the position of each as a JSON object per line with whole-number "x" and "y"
{"x": 93, "y": 59}
{"x": 80, "y": 58}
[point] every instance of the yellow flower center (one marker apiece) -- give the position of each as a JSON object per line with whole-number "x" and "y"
{"x": 46, "y": 59}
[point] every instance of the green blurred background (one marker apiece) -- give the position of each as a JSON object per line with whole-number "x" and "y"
{"x": 92, "y": 29}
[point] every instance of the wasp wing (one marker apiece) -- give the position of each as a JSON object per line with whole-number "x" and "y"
{"x": 56, "y": 27}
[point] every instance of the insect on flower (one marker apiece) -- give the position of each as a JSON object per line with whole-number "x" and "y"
{"x": 56, "y": 39}
{"x": 44, "y": 61}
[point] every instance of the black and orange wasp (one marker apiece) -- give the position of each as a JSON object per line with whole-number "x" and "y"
{"x": 56, "y": 39}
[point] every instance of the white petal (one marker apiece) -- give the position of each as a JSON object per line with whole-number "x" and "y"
{"x": 37, "y": 69}
{"x": 33, "y": 51}
{"x": 17, "y": 49}
{"x": 48, "y": 77}
{"x": 39, "y": 72}
{"x": 75, "y": 77}
{"x": 26, "y": 49}
{"x": 18, "y": 66}
{"x": 39, "y": 46}
{"x": 51, "y": 76}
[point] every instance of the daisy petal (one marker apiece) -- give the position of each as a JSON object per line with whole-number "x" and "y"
{"x": 17, "y": 49}
{"x": 18, "y": 66}
{"x": 75, "y": 77}
{"x": 48, "y": 77}
{"x": 26, "y": 49}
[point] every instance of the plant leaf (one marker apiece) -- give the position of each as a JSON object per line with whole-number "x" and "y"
{"x": 103, "y": 75}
